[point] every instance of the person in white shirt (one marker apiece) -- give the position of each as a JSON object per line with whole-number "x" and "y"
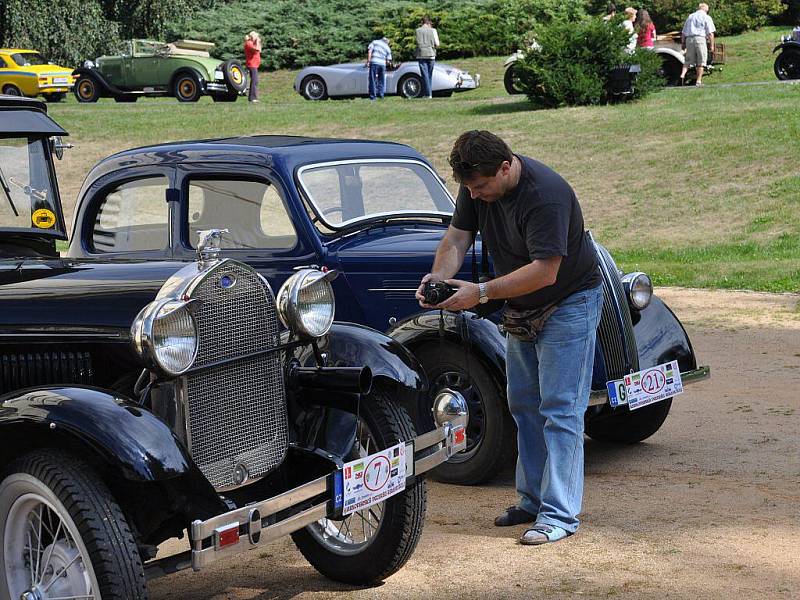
{"x": 697, "y": 37}
{"x": 630, "y": 17}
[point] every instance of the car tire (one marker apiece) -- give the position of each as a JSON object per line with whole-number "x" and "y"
{"x": 511, "y": 80}
{"x": 787, "y": 65}
{"x": 186, "y": 87}
{"x": 55, "y": 97}
{"x": 234, "y": 74}
{"x": 491, "y": 432}
{"x": 670, "y": 70}
{"x": 11, "y": 90}
{"x": 410, "y": 86}
{"x": 629, "y": 427}
{"x": 330, "y": 546}
{"x": 91, "y": 540}
{"x": 313, "y": 88}
{"x": 86, "y": 89}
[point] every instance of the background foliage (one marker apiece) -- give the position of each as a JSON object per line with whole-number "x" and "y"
{"x": 326, "y": 31}
{"x": 574, "y": 62}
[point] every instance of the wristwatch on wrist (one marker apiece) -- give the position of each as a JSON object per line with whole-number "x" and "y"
{"x": 484, "y": 298}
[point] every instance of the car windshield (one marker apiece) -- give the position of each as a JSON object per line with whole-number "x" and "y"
{"x": 346, "y": 192}
{"x": 27, "y": 198}
{"x": 29, "y": 59}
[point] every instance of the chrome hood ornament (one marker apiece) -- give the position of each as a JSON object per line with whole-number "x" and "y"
{"x": 209, "y": 245}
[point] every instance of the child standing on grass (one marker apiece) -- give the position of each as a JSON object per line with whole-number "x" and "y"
{"x": 646, "y": 31}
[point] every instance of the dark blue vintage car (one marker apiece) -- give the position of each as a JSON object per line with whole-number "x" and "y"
{"x": 375, "y": 212}
{"x": 142, "y": 399}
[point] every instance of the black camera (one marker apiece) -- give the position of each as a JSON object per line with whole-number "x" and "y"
{"x": 436, "y": 292}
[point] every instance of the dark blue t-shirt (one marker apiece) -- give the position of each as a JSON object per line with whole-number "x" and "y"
{"x": 539, "y": 218}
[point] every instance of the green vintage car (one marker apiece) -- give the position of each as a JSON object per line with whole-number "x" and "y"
{"x": 183, "y": 69}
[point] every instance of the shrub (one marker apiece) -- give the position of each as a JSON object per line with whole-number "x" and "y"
{"x": 730, "y": 16}
{"x": 574, "y": 63}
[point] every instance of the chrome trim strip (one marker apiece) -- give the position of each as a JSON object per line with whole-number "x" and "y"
{"x": 206, "y": 556}
{"x": 204, "y": 529}
{"x": 431, "y": 461}
{"x": 430, "y": 438}
{"x": 391, "y": 289}
{"x": 600, "y": 397}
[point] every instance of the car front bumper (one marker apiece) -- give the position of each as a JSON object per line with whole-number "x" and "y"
{"x": 600, "y": 397}
{"x": 257, "y": 524}
{"x": 469, "y": 82}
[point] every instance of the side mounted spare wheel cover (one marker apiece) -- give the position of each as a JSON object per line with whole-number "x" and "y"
{"x": 234, "y": 75}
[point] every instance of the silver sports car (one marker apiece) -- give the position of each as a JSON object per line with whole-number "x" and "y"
{"x": 352, "y": 79}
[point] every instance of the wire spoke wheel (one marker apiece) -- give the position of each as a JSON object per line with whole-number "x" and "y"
{"x": 43, "y": 557}
{"x": 356, "y": 531}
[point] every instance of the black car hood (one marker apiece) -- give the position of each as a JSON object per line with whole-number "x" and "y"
{"x": 68, "y": 297}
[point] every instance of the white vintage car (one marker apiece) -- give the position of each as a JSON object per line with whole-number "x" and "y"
{"x": 350, "y": 80}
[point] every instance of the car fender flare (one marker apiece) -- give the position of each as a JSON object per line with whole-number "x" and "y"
{"x": 98, "y": 78}
{"x": 191, "y": 71}
{"x": 661, "y": 337}
{"x": 677, "y": 55}
{"x": 513, "y": 58}
{"x": 480, "y": 337}
{"x": 790, "y": 45}
{"x": 139, "y": 446}
{"x": 352, "y": 345}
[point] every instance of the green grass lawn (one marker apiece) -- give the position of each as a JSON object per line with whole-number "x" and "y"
{"x": 698, "y": 187}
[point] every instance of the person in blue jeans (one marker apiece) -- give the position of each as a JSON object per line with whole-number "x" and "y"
{"x": 547, "y": 272}
{"x": 427, "y": 41}
{"x": 378, "y": 56}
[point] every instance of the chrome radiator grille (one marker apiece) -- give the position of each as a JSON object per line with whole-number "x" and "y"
{"x": 236, "y": 421}
{"x": 616, "y": 329}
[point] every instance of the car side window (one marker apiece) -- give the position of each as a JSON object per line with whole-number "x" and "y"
{"x": 133, "y": 216}
{"x": 254, "y": 212}
{"x": 3, "y": 64}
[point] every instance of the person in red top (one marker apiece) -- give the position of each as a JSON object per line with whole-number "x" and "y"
{"x": 252, "y": 60}
{"x": 646, "y": 31}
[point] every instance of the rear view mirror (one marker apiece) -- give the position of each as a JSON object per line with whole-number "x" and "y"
{"x": 57, "y": 146}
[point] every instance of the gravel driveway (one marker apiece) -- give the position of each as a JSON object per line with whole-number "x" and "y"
{"x": 709, "y": 507}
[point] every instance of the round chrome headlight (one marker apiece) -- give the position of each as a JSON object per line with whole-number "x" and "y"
{"x": 165, "y": 335}
{"x": 305, "y": 302}
{"x": 639, "y": 289}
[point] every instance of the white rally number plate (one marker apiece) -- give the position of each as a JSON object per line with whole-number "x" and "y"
{"x": 374, "y": 478}
{"x": 647, "y": 386}
{"x": 59, "y": 80}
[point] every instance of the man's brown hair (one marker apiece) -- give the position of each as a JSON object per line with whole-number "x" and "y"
{"x": 478, "y": 152}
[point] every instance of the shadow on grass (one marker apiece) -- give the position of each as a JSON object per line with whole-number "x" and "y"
{"x": 504, "y": 108}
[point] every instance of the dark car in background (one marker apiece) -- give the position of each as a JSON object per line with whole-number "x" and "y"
{"x": 375, "y": 212}
{"x": 143, "y": 399}
{"x": 183, "y": 69}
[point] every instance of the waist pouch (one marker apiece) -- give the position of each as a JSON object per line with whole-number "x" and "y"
{"x": 526, "y": 324}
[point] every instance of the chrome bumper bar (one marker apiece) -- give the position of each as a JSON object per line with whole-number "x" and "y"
{"x": 260, "y": 523}
{"x": 600, "y": 397}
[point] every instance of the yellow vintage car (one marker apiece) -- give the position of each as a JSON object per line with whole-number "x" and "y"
{"x": 28, "y": 73}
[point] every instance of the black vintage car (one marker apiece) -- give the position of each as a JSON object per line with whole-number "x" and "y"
{"x": 787, "y": 62}
{"x": 139, "y": 400}
{"x": 375, "y": 212}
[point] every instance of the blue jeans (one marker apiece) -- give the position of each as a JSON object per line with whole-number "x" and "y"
{"x": 377, "y": 80}
{"x": 426, "y": 72}
{"x": 548, "y": 391}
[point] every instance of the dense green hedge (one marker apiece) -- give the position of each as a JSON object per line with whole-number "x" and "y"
{"x": 70, "y": 31}
{"x": 573, "y": 62}
{"x": 323, "y": 32}
{"x": 730, "y": 16}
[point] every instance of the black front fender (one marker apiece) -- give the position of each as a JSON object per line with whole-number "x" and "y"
{"x": 97, "y": 77}
{"x": 787, "y": 45}
{"x": 660, "y": 337}
{"x": 481, "y": 338}
{"x": 133, "y": 441}
{"x": 351, "y": 345}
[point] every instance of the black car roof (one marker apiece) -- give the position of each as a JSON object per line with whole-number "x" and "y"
{"x": 29, "y": 115}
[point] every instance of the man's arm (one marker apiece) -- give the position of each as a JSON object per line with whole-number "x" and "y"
{"x": 540, "y": 273}
{"x": 435, "y": 38}
{"x": 449, "y": 256}
{"x": 711, "y": 41}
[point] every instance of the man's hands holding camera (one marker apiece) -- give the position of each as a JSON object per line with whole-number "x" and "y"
{"x": 450, "y": 294}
